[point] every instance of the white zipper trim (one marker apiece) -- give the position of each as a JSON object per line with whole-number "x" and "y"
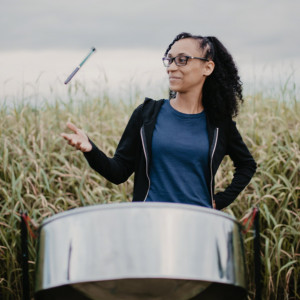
{"x": 143, "y": 143}
{"x": 211, "y": 172}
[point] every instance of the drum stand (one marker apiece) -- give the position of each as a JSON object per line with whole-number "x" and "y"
{"x": 257, "y": 260}
{"x": 24, "y": 255}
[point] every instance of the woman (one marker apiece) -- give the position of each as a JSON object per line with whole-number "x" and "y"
{"x": 176, "y": 146}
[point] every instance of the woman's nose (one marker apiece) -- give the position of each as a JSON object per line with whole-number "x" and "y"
{"x": 172, "y": 67}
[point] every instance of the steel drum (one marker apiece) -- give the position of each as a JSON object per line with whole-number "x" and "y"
{"x": 151, "y": 251}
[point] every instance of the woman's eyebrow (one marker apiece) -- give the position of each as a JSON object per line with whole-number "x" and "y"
{"x": 179, "y": 54}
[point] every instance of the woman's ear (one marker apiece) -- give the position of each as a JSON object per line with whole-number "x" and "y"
{"x": 209, "y": 67}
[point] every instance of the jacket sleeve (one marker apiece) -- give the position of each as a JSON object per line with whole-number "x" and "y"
{"x": 244, "y": 164}
{"x": 118, "y": 168}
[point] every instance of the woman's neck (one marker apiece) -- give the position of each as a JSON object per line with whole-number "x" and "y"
{"x": 187, "y": 104}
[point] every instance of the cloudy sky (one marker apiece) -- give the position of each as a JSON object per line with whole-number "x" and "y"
{"x": 45, "y": 40}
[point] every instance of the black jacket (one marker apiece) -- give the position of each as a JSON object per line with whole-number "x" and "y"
{"x": 133, "y": 154}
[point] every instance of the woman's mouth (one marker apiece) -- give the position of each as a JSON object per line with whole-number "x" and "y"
{"x": 171, "y": 78}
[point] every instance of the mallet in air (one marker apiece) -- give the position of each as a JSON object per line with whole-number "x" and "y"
{"x": 79, "y": 66}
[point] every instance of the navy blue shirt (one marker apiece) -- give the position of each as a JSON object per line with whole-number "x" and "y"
{"x": 179, "y": 170}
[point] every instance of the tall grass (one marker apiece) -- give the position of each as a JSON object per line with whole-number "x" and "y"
{"x": 41, "y": 174}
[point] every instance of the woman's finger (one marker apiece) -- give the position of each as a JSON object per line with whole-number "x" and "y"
{"x": 65, "y": 136}
{"x": 78, "y": 144}
{"x": 69, "y": 137}
{"x": 72, "y": 127}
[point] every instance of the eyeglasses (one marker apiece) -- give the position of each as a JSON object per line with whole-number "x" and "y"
{"x": 180, "y": 60}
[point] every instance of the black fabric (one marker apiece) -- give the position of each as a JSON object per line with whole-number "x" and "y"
{"x": 134, "y": 155}
{"x": 219, "y": 291}
{"x": 63, "y": 292}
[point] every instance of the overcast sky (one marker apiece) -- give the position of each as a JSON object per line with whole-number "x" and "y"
{"x": 255, "y": 31}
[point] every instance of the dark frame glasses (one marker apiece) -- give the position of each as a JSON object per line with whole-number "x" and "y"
{"x": 180, "y": 60}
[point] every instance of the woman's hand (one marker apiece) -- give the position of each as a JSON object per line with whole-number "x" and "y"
{"x": 78, "y": 139}
{"x": 214, "y": 204}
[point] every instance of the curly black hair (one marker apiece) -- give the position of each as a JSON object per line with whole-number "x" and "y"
{"x": 222, "y": 90}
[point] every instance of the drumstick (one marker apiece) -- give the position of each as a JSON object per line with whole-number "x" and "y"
{"x": 79, "y": 66}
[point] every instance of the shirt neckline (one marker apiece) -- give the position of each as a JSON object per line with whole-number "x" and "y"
{"x": 184, "y": 115}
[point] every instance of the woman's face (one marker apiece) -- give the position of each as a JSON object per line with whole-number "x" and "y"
{"x": 190, "y": 77}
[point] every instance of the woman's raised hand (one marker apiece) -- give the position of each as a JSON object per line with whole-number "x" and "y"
{"x": 78, "y": 139}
